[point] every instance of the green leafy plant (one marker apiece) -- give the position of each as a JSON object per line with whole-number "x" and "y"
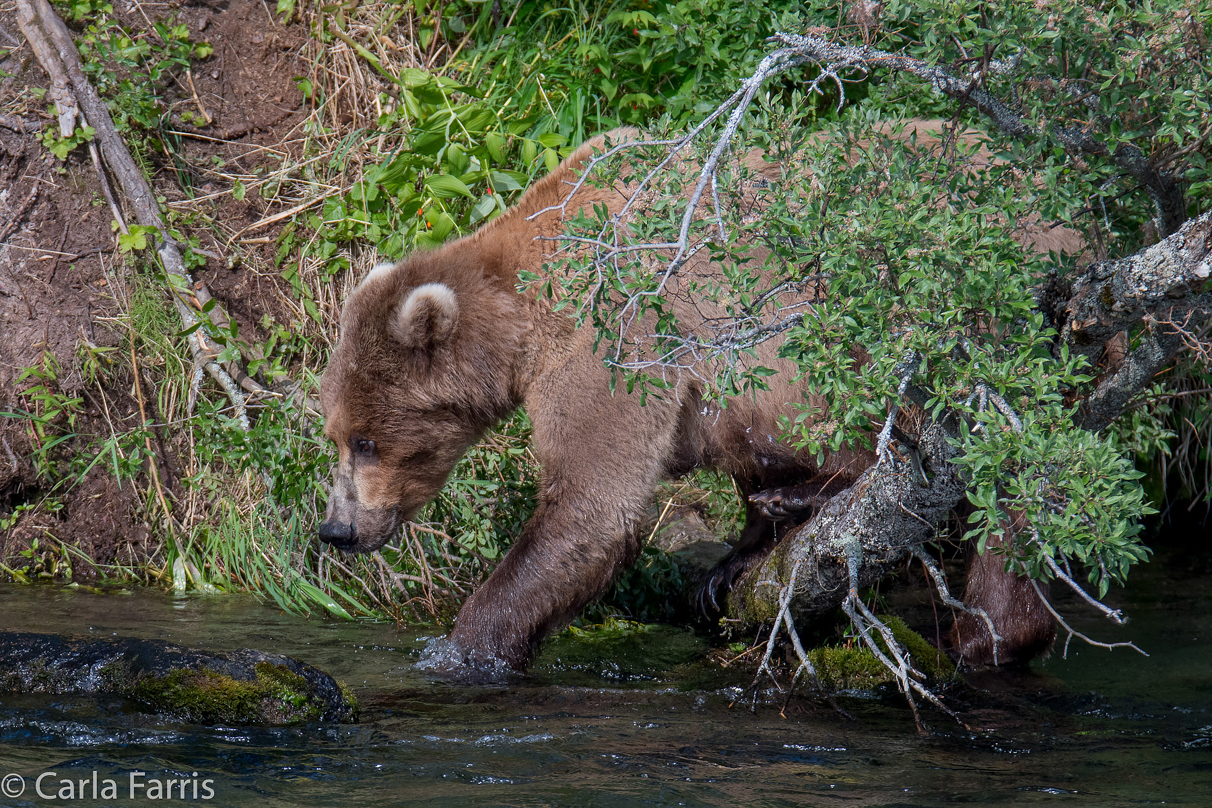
{"x": 130, "y": 68}
{"x": 63, "y": 146}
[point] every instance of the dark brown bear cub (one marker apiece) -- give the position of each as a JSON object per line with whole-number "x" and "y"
{"x": 437, "y": 349}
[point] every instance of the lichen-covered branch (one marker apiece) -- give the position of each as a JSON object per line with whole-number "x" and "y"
{"x": 1159, "y": 286}
{"x": 888, "y": 512}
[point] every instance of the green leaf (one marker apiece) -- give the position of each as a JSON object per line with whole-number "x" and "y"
{"x": 495, "y": 143}
{"x": 444, "y": 186}
{"x": 134, "y": 241}
{"x": 485, "y": 206}
{"x": 318, "y": 596}
{"x": 504, "y": 181}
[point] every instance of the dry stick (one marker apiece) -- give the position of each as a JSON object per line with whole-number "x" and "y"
{"x": 105, "y": 189}
{"x": 940, "y": 584}
{"x": 907, "y": 676}
{"x": 194, "y": 90}
{"x": 428, "y": 588}
{"x": 52, "y": 44}
{"x": 281, "y": 215}
{"x": 394, "y": 577}
{"x": 14, "y": 218}
{"x": 798, "y": 645}
{"x": 365, "y": 587}
{"x": 16, "y": 124}
{"x": 764, "y": 667}
{"x": 1114, "y": 615}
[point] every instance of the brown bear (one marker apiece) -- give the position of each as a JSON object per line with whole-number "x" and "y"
{"x": 440, "y": 347}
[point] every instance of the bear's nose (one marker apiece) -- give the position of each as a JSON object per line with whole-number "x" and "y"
{"x": 334, "y": 531}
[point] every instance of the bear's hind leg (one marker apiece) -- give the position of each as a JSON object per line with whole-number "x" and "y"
{"x": 1025, "y": 625}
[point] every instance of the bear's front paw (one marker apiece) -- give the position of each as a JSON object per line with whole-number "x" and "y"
{"x": 449, "y": 660}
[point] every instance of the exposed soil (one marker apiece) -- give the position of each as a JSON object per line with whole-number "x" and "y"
{"x": 61, "y": 276}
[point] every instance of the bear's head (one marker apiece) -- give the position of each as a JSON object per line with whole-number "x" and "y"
{"x": 424, "y": 365}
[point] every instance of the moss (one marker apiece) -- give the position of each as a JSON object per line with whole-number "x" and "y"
{"x": 621, "y": 649}
{"x": 39, "y": 676}
{"x": 278, "y": 695}
{"x": 928, "y": 659}
{"x": 202, "y": 697}
{"x": 609, "y": 630}
{"x": 841, "y": 668}
{"x": 848, "y": 668}
{"x": 758, "y": 603}
{"x": 350, "y": 699}
{"x": 116, "y": 676}
{"x": 287, "y": 694}
{"x": 240, "y": 687}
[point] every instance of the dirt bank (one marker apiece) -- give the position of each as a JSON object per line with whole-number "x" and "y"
{"x": 65, "y": 287}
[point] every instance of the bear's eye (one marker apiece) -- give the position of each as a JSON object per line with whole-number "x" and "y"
{"x": 364, "y": 446}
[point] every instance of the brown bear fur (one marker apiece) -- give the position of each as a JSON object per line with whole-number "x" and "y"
{"x": 1022, "y": 621}
{"x": 438, "y": 348}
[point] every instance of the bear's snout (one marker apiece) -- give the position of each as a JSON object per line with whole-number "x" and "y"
{"x": 337, "y": 533}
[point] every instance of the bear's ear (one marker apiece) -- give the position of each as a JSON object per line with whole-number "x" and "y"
{"x": 427, "y": 317}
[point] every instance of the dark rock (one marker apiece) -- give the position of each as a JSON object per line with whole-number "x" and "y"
{"x": 237, "y": 687}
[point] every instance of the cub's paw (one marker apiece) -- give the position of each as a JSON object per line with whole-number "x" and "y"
{"x": 794, "y": 501}
{"x": 712, "y": 595}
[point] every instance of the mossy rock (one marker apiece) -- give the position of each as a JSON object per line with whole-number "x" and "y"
{"x": 855, "y": 668}
{"x": 277, "y": 695}
{"x": 240, "y": 687}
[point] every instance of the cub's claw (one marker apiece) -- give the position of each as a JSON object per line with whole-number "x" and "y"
{"x": 714, "y": 589}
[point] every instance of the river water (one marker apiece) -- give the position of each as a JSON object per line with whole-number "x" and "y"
{"x": 643, "y": 725}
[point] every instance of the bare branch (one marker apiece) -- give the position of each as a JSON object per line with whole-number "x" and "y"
{"x": 904, "y": 370}
{"x": 1166, "y": 193}
{"x": 1074, "y": 632}
{"x": 940, "y": 584}
{"x": 908, "y": 677}
{"x": 1114, "y": 614}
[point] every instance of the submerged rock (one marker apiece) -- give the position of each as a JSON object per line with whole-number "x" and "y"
{"x": 237, "y": 687}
